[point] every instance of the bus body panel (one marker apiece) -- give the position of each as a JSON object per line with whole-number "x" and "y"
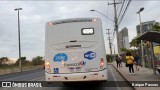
{"x": 73, "y": 56}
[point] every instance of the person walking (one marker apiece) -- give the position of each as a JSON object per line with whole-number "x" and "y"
{"x": 136, "y": 58}
{"x": 118, "y": 61}
{"x": 130, "y": 62}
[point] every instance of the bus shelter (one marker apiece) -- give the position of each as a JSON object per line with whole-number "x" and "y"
{"x": 151, "y": 36}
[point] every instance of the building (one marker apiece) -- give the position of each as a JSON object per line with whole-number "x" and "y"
{"x": 146, "y": 26}
{"x": 124, "y": 39}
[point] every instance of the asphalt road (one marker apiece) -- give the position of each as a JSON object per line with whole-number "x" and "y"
{"x": 38, "y": 75}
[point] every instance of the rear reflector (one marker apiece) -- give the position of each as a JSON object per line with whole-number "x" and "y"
{"x": 49, "y": 70}
{"x": 95, "y": 73}
{"x": 56, "y": 76}
{"x": 48, "y": 66}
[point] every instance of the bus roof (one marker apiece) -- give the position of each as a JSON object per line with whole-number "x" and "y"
{"x": 71, "y": 20}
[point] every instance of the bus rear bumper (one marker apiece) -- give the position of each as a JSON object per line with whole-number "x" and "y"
{"x": 90, "y": 76}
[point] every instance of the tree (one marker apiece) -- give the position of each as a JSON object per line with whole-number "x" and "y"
{"x": 23, "y": 61}
{"x": 135, "y": 43}
{"x": 38, "y": 60}
{"x": 3, "y": 61}
{"x": 124, "y": 50}
{"x": 156, "y": 27}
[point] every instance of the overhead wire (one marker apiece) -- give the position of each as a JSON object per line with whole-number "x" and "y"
{"x": 124, "y": 11}
{"x": 118, "y": 5}
{"x": 113, "y": 32}
{"x": 107, "y": 12}
{"x": 121, "y": 8}
{"x": 122, "y": 16}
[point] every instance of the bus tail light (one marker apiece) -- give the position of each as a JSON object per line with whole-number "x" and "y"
{"x": 56, "y": 76}
{"x": 50, "y": 24}
{"x": 47, "y": 65}
{"x": 49, "y": 70}
{"x": 101, "y": 63}
{"x": 94, "y": 20}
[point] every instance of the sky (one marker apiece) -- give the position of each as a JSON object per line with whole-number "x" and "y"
{"x": 36, "y": 13}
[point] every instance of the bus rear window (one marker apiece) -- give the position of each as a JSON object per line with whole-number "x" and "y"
{"x": 87, "y": 31}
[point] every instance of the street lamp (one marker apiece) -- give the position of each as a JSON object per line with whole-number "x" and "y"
{"x": 140, "y": 10}
{"x": 20, "y": 66}
{"x": 101, "y": 14}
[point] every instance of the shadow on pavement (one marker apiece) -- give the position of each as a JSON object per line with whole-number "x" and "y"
{"x": 83, "y": 86}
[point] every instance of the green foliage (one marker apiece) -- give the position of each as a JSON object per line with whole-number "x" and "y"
{"x": 135, "y": 43}
{"x": 126, "y": 50}
{"x": 3, "y": 61}
{"x": 156, "y": 27}
{"x": 110, "y": 57}
{"x": 38, "y": 61}
{"x": 24, "y": 62}
{"x": 131, "y": 50}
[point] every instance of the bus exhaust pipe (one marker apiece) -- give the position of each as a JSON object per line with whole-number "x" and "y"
{"x": 84, "y": 77}
{"x": 66, "y": 78}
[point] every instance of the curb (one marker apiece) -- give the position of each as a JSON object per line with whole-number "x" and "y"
{"x": 125, "y": 78}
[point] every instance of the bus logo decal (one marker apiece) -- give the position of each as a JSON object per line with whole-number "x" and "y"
{"x": 60, "y": 57}
{"x": 90, "y": 55}
{"x": 81, "y": 63}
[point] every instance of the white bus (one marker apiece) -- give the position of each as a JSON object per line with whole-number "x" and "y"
{"x": 75, "y": 50}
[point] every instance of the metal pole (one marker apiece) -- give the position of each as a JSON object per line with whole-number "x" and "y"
{"x": 114, "y": 51}
{"x": 142, "y": 52}
{"x": 110, "y": 46}
{"x": 19, "y": 40}
{"x": 116, "y": 24}
{"x": 19, "y": 43}
{"x": 152, "y": 56}
{"x": 116, "y": 27}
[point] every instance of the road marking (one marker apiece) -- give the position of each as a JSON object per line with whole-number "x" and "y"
{"x": 115, "y": 79}
{"x": 6, "y": 88}
{"x": 35, "y": 79}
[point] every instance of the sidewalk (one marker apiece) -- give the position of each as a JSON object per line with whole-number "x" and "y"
{"x": 144, "y": 74}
